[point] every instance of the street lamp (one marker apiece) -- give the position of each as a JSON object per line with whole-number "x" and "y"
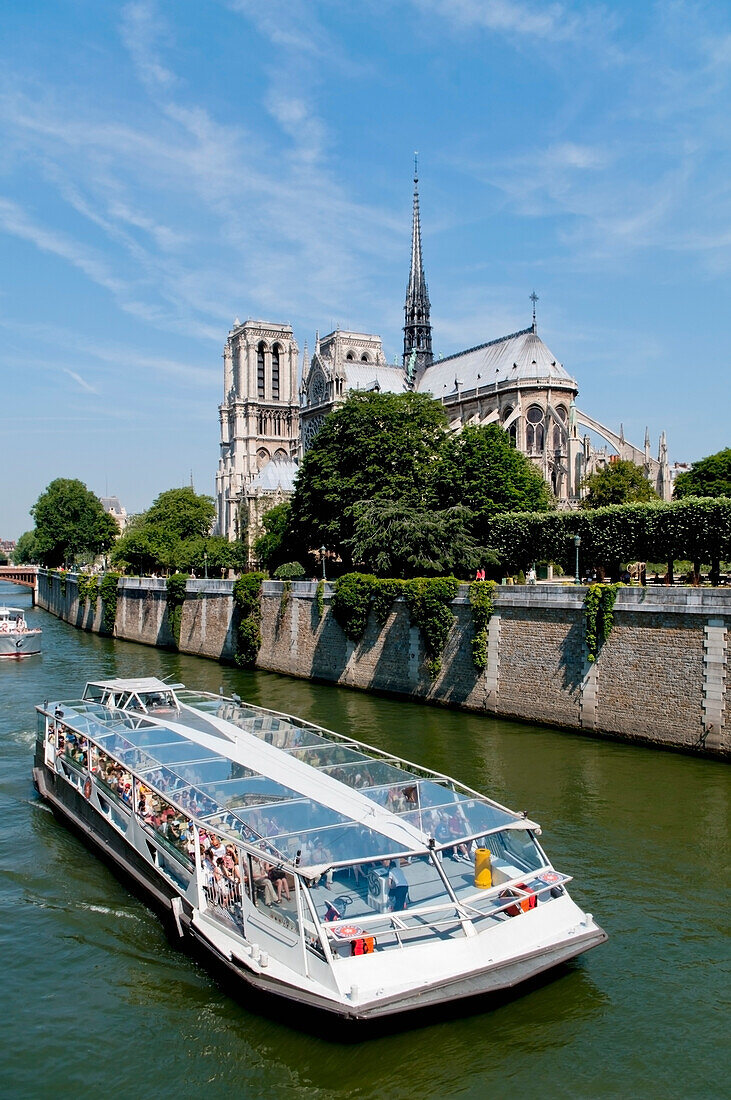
{"x": 577, "y": 544}
{"x": 205, "y": 565}
{"x": 322, "y": 556}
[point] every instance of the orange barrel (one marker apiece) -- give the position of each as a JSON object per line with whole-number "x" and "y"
{"x": 483, "y": 869}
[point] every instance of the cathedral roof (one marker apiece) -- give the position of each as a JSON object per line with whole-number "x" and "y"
{"x": 280, "y": 473}
{"x": 520, "y": 357}
{"x": 372, "y": 376}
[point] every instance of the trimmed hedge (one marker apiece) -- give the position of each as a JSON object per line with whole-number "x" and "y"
{"x": 698, "y": 529}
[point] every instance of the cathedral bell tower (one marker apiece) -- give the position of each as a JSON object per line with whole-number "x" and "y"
{"x": 417, "y": 325}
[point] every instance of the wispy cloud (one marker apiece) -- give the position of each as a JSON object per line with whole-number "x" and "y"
{"x": 81, "y": 382}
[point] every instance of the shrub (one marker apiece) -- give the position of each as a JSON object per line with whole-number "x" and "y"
{"x": 351, "y": 603}
{"x": 88, "y": 588}
{"x": 290, "y": 571}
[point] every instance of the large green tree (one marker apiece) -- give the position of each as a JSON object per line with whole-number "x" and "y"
{"x": 377, "y": 446}
{"x": 25, "y": 552}
{"x": 71, "y": 524}
{"x": 709, "y": 477}
{"x": 480, "y": 468}
{"x": 273, "y": 548}
{"x": 392, "y": 539}
{"x": 173, "y": 534}
{"x": 620, "y": 482}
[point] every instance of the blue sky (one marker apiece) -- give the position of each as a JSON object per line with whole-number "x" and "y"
{"x": 168, "y": 166}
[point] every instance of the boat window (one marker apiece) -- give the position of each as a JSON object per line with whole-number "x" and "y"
{"x": 74, "y": 747}
{"x": 518, "y": 847}
{"x": 94, "y": 692}
{"x": 326, "y": 754}
{"x": 211, "y": 772}
{"x": 184, "y": 752}
{"x": 137, "y": 759}
{"x": 111, "y": 776}
{"x": 163, "y": 779}
{"x": 172, "y": 828}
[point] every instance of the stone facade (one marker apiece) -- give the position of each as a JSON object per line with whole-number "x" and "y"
{"x": 662, "y": 678}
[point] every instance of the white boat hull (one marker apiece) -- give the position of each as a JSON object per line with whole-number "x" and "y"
{"x": 20, "y": 643}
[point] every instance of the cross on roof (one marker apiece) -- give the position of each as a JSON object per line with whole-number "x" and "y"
{"x": 534, "y": 299}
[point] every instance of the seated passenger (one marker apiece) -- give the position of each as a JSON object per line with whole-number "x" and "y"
{"x": 262, "y": 882}
{"x": 279, "y": 878}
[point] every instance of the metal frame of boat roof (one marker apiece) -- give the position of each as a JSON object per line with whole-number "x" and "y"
{"x": 303, "y": 780}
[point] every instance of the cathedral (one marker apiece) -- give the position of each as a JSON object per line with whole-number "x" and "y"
{"x": 269, "y": 417}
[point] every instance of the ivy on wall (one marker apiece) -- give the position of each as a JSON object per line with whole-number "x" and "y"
{"x": 320, "y": 599}
{"x": 428, "y": 600}
{"x": 247, "y": 599}
{"x": 481, "y": 601}
{"x": 176, "y": 586}
{"x": 599, "y": 616}
{"x": 88, "y": 587}
{"x": 108, "y": 593}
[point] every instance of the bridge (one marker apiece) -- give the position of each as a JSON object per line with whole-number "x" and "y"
{"x": 27, "y": 575}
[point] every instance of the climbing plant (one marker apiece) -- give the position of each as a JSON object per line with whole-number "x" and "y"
{"x": 599, "y": 616}
{"x": 88, "y": 587}
{"x": 428, "y": 601}
{"x": 351, "y": 603}
{"x": 176, "y": 586}
{"x": 247, "y": 598}
{"x": 384, "y": 593}
{"x": 284, "y": 600}
{"x": 481, "y": 602}
{"x": 320, "y": 599}
{"x": 108, "y": 593}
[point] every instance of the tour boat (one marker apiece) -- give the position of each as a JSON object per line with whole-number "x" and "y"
{"x": 305, "y": 863}
{"x": 17, "y": 639}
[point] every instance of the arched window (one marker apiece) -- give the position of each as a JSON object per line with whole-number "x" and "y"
{"x": 260, "y": 369}
{"x": 558, "y": 433}
{"x": 350, "y": 357}
{"x": 364, "y": 357}
{"x": 535, "y": 431}
{"x": 275, "y": 372}
{"x": 262, "y": 457}
{"x": 513, "y": 429}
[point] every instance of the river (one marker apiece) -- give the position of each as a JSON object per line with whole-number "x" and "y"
{"x": 97, "y": 998}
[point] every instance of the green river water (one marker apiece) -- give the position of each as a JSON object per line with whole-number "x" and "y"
{"x": 99, "y": 1001}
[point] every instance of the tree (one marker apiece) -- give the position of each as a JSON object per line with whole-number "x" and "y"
{"x": 376, "y": 446}
{"x": 173, "y": 534}
{"x": 709, "y": 477}
{"x": 25, "y": 552}
{"x": 182, "y": 512}
{"x": 70, "y": 523}
{"x": 481, "y": 469}
{"x": 272, "y": 548}
{"x": 620, "y": 482}
{"x": 392, "y": 539}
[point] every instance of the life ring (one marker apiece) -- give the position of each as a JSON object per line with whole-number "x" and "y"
{"x": 347, "y": 930}
{"x": 87, "y": 788}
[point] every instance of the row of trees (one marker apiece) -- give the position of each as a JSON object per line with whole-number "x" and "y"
{"x": 72, "y": 528}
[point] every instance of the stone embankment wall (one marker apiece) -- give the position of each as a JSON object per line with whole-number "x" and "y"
{"x": 662, "y": 677}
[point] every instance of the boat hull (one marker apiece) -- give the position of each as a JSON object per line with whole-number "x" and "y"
{"x": 20, "y": 643}
{"x": 70, "y": 805}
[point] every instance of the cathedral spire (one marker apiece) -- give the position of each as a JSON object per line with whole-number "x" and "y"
{"x": 417, "y": 326}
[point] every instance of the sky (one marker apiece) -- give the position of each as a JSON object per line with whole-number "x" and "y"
{"x": 167, "y": 166}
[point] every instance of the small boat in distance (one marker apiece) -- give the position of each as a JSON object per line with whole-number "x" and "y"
{"x": 306, "y": 864}
{"x": 17, "y": 639}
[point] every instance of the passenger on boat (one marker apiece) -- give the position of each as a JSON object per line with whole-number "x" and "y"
{"x": 398, "y": 887}
{"x": 279, "y": 878}
{"x": 262, "y": 881}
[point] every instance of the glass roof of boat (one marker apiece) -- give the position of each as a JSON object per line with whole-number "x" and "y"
{"x": 301, "y": 811}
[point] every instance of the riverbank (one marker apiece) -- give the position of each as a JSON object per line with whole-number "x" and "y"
{"x": 661, "y": 678}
